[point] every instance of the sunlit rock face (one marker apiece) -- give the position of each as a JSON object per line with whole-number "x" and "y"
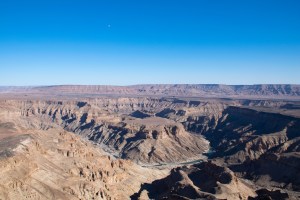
{"x": 113, "y": 147}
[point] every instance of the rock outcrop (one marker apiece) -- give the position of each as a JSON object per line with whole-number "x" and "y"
{"x": 148, "y": 140}
{"x": 272, "y": 169}
{"x": 55, "y": 164}
{"x": 200, "y": 181}
{"x": 273, "y": 195}
{"x": 254, "y": 144}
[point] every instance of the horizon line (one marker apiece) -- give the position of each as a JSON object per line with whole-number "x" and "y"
{"x": 145, "y": 84}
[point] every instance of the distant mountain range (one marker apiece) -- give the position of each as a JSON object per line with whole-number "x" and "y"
{"x": 178, "y": 90}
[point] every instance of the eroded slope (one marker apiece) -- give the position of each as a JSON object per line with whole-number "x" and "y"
{"x": 246, "y": 140}
{"x": 55, "y": 164}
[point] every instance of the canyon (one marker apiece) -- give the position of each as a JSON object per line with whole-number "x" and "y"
{"x": 150, "y": 142}
{"x": 179, "y": 90}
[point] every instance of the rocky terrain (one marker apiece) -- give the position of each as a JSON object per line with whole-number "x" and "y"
{"x": 56, "y": 164}
{"x": 73, "y": 145}
{"x": 279, "y": 91}
{"x": 148, "y": 140}
{"x": 205, "y": 180}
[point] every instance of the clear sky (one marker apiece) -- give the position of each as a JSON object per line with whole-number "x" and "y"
{"x": 49, "y": 42}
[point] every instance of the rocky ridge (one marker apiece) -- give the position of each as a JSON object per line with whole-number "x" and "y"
{"x": 56, "y": 164}
{"x": 246, "y": 141}
{"x": 183, "y": 90}
{"x": 200, "y": 181}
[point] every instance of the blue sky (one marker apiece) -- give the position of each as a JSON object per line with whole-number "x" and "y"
{"x": 133, "y": 42}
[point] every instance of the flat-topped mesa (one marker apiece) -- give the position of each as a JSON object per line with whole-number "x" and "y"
{"x": 186, "y": 90}
{"x": 156, "y": 127}
{"x": 158, "y": 140}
